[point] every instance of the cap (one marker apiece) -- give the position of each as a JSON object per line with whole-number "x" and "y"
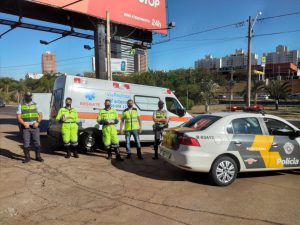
{"x": 160, "y": 102}
{"x": 28, "y": 93}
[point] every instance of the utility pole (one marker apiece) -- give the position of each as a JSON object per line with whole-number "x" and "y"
{"x": 231, "y": 83}
{"x": 249, "y": 62}
{"x": 108, "y": 46}
{"x": 187, "y": 99}
{"x": 99, "y": 42}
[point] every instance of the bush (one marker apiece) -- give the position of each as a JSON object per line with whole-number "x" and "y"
{"x": 183, "y": 102}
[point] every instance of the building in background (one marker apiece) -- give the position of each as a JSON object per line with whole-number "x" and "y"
{"x": 209, "y": 63}
{"x": 238, "y": 60}
{"x": 35, "y": 76}
{"x": 49, "y": 63}
{"x": 141, "y": 61}
{"x": 122, "y": 51}
{"x": 283, "y": 55}
{"x": 137, "y": 62}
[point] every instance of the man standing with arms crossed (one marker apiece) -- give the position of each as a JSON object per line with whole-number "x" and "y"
{"x": 133, "y": 126}
{"x": 108, "y": 118}
{"x": 161, "y": 120}
{"x": 69, "y": 118}
{"x": 29, "y": 117}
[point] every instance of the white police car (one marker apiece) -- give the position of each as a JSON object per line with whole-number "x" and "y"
{"x": 224, "y": 144}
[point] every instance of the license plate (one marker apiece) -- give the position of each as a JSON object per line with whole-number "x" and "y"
{"x": 165, "y": 153}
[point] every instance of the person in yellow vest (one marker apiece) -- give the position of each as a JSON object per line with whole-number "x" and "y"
{"x": 161, "y": 120}
{"x": 133, "y": 126}
{"x": 29, "y": 117}
{"x": 108, "y": 118}
{"x": 69, "y": 118}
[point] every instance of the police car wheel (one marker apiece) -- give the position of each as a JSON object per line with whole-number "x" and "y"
{"x": 223, "y": 171}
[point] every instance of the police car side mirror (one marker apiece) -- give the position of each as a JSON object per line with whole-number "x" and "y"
{"x": 297, "y": 133}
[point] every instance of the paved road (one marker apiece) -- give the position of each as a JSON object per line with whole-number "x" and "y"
{"x": 92, "y": 190}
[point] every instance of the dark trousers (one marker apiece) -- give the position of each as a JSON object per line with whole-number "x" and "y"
{"x": 33, "y": 133}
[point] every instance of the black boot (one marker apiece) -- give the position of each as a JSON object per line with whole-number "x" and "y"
{"x": 27, "y": 155}
{"x": 139, "y": 153}
{"x": 68, "y": 150}
{"x": 155, "y": 152}
{"x": 75, "y": 153}
{"x": 118, "y": 156}
{"x": 109, "y": 154}
{"x": 38, "y": 154}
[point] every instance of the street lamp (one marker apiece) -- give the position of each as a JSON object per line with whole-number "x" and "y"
{"x": 250, "y": 31}
{"x": 44, "y": 42}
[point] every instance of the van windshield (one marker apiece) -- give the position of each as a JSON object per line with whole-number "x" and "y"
{"x": 201, "y": 122}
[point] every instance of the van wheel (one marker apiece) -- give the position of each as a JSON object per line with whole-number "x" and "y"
{"x": 223, "y": 171}
{"x": 87, "y": 141}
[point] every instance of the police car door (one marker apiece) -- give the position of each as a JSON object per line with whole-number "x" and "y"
{"x": 249, "y": 141}
{"x": 285, "y": 149}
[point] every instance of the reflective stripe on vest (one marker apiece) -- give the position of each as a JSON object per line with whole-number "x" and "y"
{"x": 29, "y": 113}
{"x": 71, "y": 115}
{"x": 160, "y": 115}
{"x": 108, "y": 114}
{"x": 131, "y": 119}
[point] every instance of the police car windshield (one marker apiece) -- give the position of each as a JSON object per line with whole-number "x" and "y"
{"x": 201, "y": 122}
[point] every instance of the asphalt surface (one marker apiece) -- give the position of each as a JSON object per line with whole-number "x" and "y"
{"x": 93, "y": 190}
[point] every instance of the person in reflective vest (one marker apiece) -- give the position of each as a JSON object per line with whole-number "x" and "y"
{"x": 161, "y": 120}
{"x": 108, "y": 118}
{"x": 133, "y": 126}
{"x": 69, "y": 129}
{"x": 29, "y": 117}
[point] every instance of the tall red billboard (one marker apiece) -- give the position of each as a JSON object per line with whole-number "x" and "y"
{"x": 145, "y": 14}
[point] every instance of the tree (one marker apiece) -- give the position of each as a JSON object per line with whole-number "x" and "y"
{"x": 256, "y": 87}
{"x": 278, "y": 90}
{"x": 208, "y": 88}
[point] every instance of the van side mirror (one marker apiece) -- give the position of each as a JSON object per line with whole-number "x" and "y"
{"x": 181, "y": 112}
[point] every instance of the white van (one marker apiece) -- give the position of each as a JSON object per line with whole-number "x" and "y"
{"x": 88, "y": 97}
{"x": 43, "y": 100}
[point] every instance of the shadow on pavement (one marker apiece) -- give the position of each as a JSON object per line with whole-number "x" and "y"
{"x": 8, "y": 121}
{"x": 259, "y": 174}
{"x": 158, "y": 170}
{"x": 293, "y": 172}
{"x": 11, "y": 155}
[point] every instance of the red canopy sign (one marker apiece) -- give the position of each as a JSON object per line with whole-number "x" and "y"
{"x": 145, "y": 14}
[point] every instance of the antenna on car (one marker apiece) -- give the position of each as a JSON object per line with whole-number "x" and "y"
{"x": 262, "y": 112}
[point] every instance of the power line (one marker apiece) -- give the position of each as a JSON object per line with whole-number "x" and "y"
{"x": 278, "y": 16}
{"x": 276, "y": 33}
{"x": 237, "y": 24}
{"x": 193, "y": 46}
{"x": 35, "y": 64}
{"x": 66, "y": 64}
{"x": 223, "y": 40}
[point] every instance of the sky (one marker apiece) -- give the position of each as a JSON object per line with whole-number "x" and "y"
{"x": 20, "y": 50}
